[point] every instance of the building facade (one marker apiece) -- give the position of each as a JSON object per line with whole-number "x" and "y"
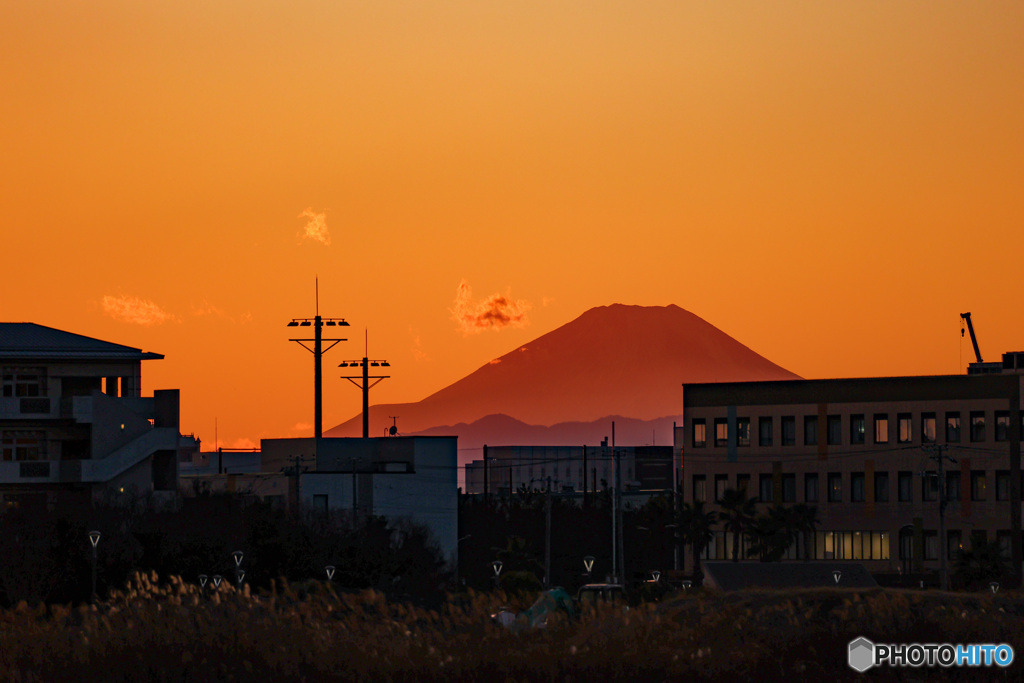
{"x": 866, "y": 453}
{"x": 413, "y": 478}
{"x": 570, "y": 469}
{"x": 74, "y": 424}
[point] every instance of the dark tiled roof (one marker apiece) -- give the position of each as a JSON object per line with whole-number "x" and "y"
{"x": 731, "y": 576}
{"x": 31, "y": 341}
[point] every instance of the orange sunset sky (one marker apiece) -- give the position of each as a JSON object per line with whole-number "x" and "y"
{"x": 831, "y": 183}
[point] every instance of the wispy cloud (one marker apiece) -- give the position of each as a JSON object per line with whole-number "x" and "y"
{"x": 496, "y": 312}
{"x": 316, "y": 226}
{"x": 243, "y": 443}
{"x": 132, "y": 309}
{"x": 417, "y": 346}
{"x": 208, "y": 309}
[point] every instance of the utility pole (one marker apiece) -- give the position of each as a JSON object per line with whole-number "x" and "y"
{"x": 584, "y": 471}
{"x": 621, "y": 570}
{"x": 485, "y": 474}
{"x": 939, "y": 456}
{"x": 296, "y": 471}
{"x": 547, "y": 538}
{"x": 365, "y": 386}
{"x": 318, "y": 351}
{"x": 355, "y": 491}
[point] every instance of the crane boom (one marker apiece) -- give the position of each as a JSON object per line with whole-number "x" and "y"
{"x": 974, "y": 339}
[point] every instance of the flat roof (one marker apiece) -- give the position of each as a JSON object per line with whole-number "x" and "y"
{"x": 852, "y": 390}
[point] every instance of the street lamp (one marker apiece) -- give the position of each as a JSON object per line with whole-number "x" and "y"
{"x": 330, "y": 572}
{"x": 994, "y": 586}
{"x": 836, "y": 575}
{"x": 94, "y": 539}
{"x": 588, "y": 564}
{"x": 656, "y": 575}
{"x": 217, "y": 578}
{"x": 202, "y": 583}
{"x": 687, "y": 584}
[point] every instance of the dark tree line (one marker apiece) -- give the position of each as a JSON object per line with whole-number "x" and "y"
{"x": 48, "y": 558}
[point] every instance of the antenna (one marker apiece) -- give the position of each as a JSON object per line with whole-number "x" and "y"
{"x": 316, "y": 281}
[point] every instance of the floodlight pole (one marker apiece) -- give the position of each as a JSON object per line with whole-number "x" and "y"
{"x": 318, "y": 351}
{"x": 365, "y": 385}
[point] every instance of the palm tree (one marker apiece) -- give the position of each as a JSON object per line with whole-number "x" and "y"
{"x": 737, "y": 514}
{"x": 773, "y": 532}
{"x": 696, "y": 525}
{"x": 805, "y": 520}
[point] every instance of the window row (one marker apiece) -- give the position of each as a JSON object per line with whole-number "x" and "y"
{"x": 901, "y": 431}
{"x": 783, "y": 488}
{"x": 19, "y": 445}
{"x": 23, "y": 382}
{"x": 820, "y": 545}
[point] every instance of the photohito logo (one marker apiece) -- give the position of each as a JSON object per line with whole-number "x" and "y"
{"x": 863, "y": 654}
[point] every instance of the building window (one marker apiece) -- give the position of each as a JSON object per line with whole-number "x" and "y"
{"x": 700, "y": 433}
{"x": 788, "y": 488}
{"x": 765, "y": 488}
{"x": 320, "y": 503}
{"x": 977, "y": 425}
{"x": 721, "y": 431}
{"x": 930, "y": 486}
{"x": 810, "y": 430}
{"x": 904, "y": 433}
{"x": 835, "y": 430}
{"x": 788, "y": 430}
{"x": 1002, "y": 425}
{"x": 881, "y": 487}
{"x": 857, "y": 487}
{"x": 743, "y": 431}
{"x": 811, "y": 487}
{"x": 1003, "y": 539}
{"x": 953, "y": 427}
{"x": 18, "y": 445}
{"x": 764, "y": 431}
{"x": 931, "y": 545}
{"x": 1003, "y": 485}
{"x": 835, "y": 487}
{"x": 700, "y": 488}
{"x": 743, "y": 482}
{"x": 881, "y": 428}
{"x": 928, "y": 428}
{"x": 978, "y": 485}
{"x": 905, "y": 484}
{"x": 721, "y": 484}
{"x": 23, "y": 382}
{"x": 857, "y": 429}
{"x": 952, "y": 486}
{"x": 954, "y": 543}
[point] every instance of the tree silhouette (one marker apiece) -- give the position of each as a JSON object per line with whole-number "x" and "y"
{"x": 696, "y": 528}
{"x": 737, "y": 514}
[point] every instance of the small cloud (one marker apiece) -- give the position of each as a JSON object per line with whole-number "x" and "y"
{"x": 496, "y": 312}
{"x": 132, "y": 309}
{"x": 243, "y": 443}
{"x": 316, "y": 226}
{"x": 208, "y": 309}
{"x": 417, "y": 346}
{"x": 494, "y": 362}
{"x": 547, "y": 301}
{"x": 522, "y": 348}
{"x": 302, "y": 427}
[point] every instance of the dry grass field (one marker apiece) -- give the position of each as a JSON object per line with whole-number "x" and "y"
{"x": 172, "y": 631}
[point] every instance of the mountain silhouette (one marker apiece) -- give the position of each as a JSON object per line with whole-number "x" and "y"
{"x": 628, "y": 361}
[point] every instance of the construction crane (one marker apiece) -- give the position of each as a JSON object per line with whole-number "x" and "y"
{"x": 974, "y": 339}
